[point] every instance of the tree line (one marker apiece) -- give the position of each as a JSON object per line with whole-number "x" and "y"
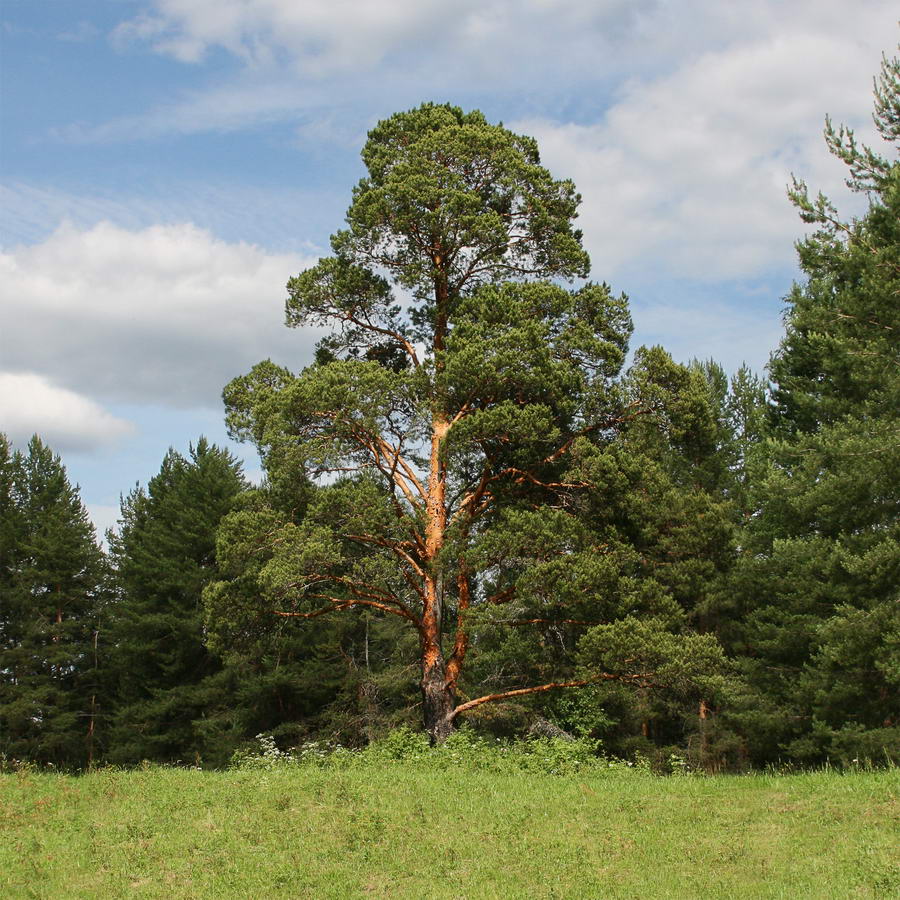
{"x": 478, "y": 512}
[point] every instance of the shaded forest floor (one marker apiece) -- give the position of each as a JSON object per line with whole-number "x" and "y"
{"x": 402, "y": 830}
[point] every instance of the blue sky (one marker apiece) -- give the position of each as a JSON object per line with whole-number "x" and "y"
{"x": 166, "y": 165}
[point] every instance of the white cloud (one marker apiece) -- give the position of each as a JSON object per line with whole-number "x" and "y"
{"x": 309, "y": 56}
{"x": 525, "y": 37}
{"x": 689, "y": 170}
{"x": 686, "y": 165}
{"x": 327, "y": 36}
{"x": 166, "y": 314}
{"x": 67, "y": 421}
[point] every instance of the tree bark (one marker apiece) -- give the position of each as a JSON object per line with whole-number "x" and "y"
{"x": 703, "y": 715}
{"x": 438, "y": 699}
{"x": 438, "y": 686}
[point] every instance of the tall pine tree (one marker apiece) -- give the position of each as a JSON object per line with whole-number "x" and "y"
{"x": 823, "y": 566}
{"x": 457, "y": 390}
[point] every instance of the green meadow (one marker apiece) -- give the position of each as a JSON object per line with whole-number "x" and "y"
{"x": 401, "y": 829}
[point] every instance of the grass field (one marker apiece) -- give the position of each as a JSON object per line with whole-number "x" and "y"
{"x": 402, "y": 830}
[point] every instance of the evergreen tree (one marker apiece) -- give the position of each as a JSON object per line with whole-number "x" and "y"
{"x": 822, "y": 570}
{"x": 340, "y": 678}
{"x": 172, "y": 699}
{"x": 10, "y": 537}
{"x": 455, "y": 418}
{"x": 52, "y": 591}
{"x": 662, "y": 521}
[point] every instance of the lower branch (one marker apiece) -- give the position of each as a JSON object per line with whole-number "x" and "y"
{"x": 308, "y": 615}
{"x": 337, "y": 603}
{"x": 519, "y": 692}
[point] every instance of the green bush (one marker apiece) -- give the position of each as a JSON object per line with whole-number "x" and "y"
{"x": 464, "y": 749}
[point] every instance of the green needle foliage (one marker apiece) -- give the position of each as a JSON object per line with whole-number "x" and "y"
{"x": 170, "y": 692}
{"x": 823, "y": 633}
{"x": 450, "y": 421}
{"x": 52, "y": 592}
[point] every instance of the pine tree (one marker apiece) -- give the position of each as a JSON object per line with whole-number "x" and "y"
{"x": 450, "y": 417}
{"x": 53, "y": 592}
{"x": 823, "y": 566}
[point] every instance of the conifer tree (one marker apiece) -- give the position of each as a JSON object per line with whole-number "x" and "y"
{"x": 451, "y": 407}
{"x": 661, "y": 516}
{"x": 53, "y": 590}
{"x": 10, "y": 535}
{"x": 822, "y": 571}
{"x": 338, "y": 678}
{"x": 167, "y": 684}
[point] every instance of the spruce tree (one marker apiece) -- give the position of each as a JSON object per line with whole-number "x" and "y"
{"x": 661, "y": 519}
{"x": 167, "y": 684}
{"x": 10, "y": 537}
{"x": 340, "y": 678}
{"x": 52, "y": 590}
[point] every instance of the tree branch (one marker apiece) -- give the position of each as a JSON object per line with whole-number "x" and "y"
{"x": 520, "y": 692}
{"x": 309, "y": 615}
{"x": 395, "y": 547}
{"x": 344, "y": 603}
{"x": 369, "y": 326}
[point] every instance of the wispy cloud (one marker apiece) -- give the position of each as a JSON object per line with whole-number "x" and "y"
{"x": 81, "y": 33}
{"x": 284, "y": 219}
{"x": 235, "y": 105}
{"x": 732, "y": 333}
{"x": 303, "y": 58}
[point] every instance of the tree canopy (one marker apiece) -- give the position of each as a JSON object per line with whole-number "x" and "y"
{"x": 448, "y": 409}
{"x": 822, "y": 580}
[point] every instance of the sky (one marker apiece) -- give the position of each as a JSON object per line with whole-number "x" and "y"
{"x": 167, "y": 165}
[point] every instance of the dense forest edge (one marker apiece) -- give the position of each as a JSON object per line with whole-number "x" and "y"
{"x": 482, "y": 520}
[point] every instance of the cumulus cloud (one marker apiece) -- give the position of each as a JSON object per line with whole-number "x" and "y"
{"x": 166, "y": 314}
{"x": 67, "y": 421}
{"x": 685, "y": 163}
{"x": 690, "y": 170}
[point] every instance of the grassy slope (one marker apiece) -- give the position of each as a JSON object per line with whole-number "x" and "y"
{"x": 403, "y": 831}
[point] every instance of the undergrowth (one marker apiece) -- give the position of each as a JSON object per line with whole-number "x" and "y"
{"x": 463, "y": 749}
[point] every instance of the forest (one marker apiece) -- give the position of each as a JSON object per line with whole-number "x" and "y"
{"x": 481, "y": 510}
